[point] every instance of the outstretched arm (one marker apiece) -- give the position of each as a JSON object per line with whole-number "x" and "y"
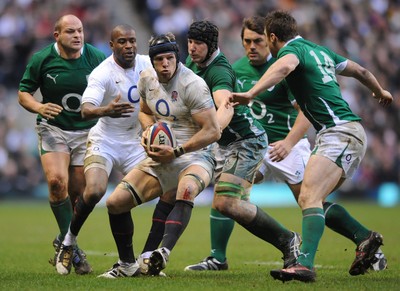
{"x": 114, "y": 109}
{"x": 357, "y": 71}
{"x": 276, "y": 73}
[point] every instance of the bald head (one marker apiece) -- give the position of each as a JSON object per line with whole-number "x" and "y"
{"x": 121, "y": 29}
{"x": 67, "y": 20}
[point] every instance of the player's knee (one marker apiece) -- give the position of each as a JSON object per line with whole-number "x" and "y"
{"x": 117, "y": 204}
{"x": 57, "y": 188}
{"x": 226, "y": 196}
{"x": 93, "y": 193}
{"x": 307, "y": 200}
{"x": 112, "y": 206}
{"x": 190, "y": 186}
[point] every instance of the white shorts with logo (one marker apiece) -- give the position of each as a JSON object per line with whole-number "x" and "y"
{"x": 290, "y": 169}
{"x": 168, "y": 173}
{"x": 108, "y": 151}
{"x": 345, "y": 145}
{"x": 55, "y": 139}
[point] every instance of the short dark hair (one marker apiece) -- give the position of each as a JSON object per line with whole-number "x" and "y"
{"x": 282, "y": 24}
{"x": 253, "y": 23}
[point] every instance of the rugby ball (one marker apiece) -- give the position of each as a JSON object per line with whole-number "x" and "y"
{"x": 160, "y": 133}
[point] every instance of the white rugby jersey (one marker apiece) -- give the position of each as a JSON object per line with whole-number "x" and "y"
{"x": 105, "y": 83}
{"x": 175, "y": 102}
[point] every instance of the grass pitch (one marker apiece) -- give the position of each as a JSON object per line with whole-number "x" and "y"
{"x": 27, "y": 231}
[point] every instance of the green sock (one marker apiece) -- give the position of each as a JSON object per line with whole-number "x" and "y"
{"x": 339, "y": 220}
{"x": 221, "y": 228}
{"x": 63, "y": 213}
{"x": 312, "y": 230}
{"x": 269, "y": 230}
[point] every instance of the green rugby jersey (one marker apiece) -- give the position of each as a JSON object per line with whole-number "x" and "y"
{"x": 62, "y": 82}
{"x": 220, "y": 75}
{"x": 273, "y": 108}
{"x": 314, "y": 83}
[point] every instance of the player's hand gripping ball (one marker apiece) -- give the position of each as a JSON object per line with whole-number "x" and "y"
{"x": 160, "y": 133}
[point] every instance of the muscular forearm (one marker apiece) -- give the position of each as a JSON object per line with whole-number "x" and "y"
{"x": 92, "y": 112}
{"x": 29, "y": 102}
{"x": 276, "y": 73}
{"x": 224, "y": 116}
{"x": 299, "y": 129}
{"x": 146, "y": 120}
{"x": 202, "y": 139}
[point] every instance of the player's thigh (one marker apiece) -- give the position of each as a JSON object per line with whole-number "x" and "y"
{"x": 55, "y": 166}
{"x": 320, "y": 179}
{"x": 96, "y": 182}
{"x": 243, "y": 158}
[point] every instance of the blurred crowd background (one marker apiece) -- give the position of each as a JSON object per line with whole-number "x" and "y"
{"x": 367, "y": 31}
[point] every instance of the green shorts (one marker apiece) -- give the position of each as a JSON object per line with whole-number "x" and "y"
{"x": 241, "y": 158}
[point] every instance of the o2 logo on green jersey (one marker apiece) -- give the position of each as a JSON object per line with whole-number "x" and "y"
{"x": 269, "y": 117}
{"x": 327, "y": 67}
{"x": 72, "y": 102}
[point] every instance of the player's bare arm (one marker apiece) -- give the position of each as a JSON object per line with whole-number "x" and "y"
{"x": 276, "y": 73}
{"x": 29, "y": 102}
{"x": 114, "y": 109}
{"x": 224, "y": 107}
{"x": 146, "y": 119}
{"x": 282, "y": 148}
{"x": 368, "y": 79}
{"x": 209, "y": 132}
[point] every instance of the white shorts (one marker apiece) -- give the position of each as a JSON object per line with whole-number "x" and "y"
{"x": 109, "y": 151}
{"x": 290, "y": 169}
{"x": 168, "y": 173}
{"x": 55, "y": 139}
{"x": 345, "y": 145}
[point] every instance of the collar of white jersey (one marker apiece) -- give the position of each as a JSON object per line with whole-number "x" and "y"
{"x": 293, "y": 39}
{"x": 58, "y": 50}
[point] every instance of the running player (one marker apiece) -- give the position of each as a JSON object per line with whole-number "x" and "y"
{"x": 289, "y": 149}
{"x": 114, "y": 142}
{"x": 241, "y": 149}
{"x": 60, "y": 71}
{"x": 309, "y": 70}
{"x": 177, "y": 96}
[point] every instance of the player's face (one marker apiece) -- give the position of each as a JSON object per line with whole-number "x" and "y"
{"x": 165, "y": 66}
{"x": 124, "y": 48}
{"x": 197, "y": 50}
{"x": 70, "y": 38}
{"x": 255, "y": 46}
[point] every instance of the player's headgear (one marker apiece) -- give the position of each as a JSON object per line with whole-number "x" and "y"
{"x": 163, "y": 43}
{"x": 206, "y": 32}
